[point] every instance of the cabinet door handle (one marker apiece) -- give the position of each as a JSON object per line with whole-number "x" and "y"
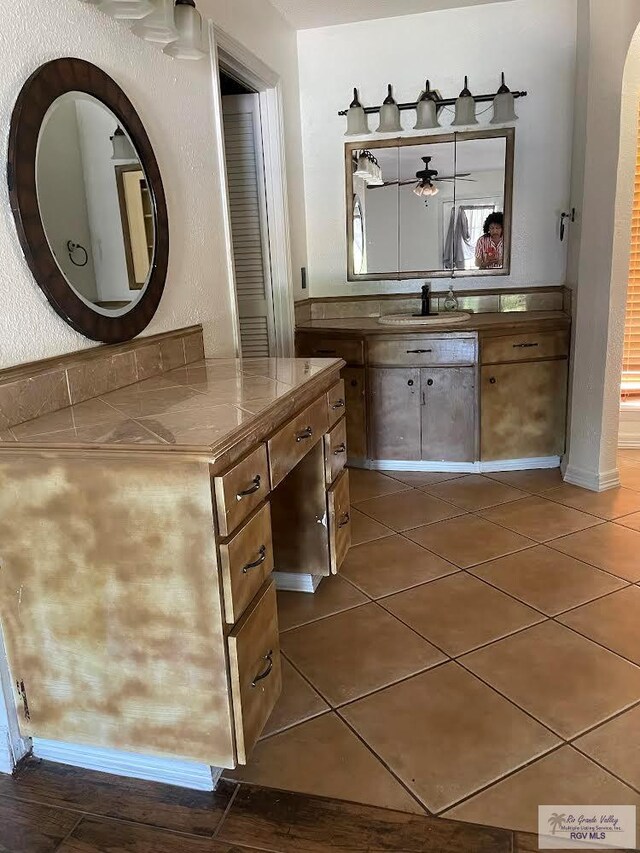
{"x": 492, "y": 380}
{"x": 307, "y": 432}
{"x": 339, "y": 404}
{"x": 324, "y": 352}
{"x": 524, "y": 346}
{"x": 340, "y": 449}
{"x": 346, "y": 518}
{"x": 429, "y": 382}
{"x": 258, "y": 562}
{"x": 418, "y": 351}
{"x": 261, "y": 676}
{"x": 252, "y": 489}
{"x": 410, "y": 383}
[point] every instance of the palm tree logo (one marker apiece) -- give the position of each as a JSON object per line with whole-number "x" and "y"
{"x": 556, "y": 820}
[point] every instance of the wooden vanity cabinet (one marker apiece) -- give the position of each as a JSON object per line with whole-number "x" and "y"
{"x": 449, "y": 414}
{"x": 395, "y": 413}
{"x": 355, "y": 389}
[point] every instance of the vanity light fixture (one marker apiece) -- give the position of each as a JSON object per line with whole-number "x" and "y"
{"x": 188, "y": 24}
{"x": 368, "y": 169}
{"x": 159, "y": 25}
{"x": 427, "y": 110}
{"x": 465, "y": 108}
{"x": 504, "y": 105}
{"x": 127, "y": 10}
{"x": 122, "y": 147}
{"x": 357, "y": 124}
{"x": 389, "y": 114}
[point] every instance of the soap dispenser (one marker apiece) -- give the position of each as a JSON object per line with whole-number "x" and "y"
{"x": 450, "y": 302}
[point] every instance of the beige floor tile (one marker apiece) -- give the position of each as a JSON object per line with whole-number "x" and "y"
{"x": 332, "y": 596}
{"x": 371, "y": 484}
{"x": 298, "y": 702}
{"x": 468, "y": 540}
{"x": 475, "y": 492}
{"x": 629, "y": 475}
{"x": 460, "y": 612}
{"x": 613, "y": 621}
{"x": 567, "y": 682}
{"x": 565, "y": 776}
{"x": 408, "y": 509}
{"x": 354, "y": 653}
{"x": 616, "y": 746}
{"x": 547, "y": 580}
{"x": 365, "y": 529}
{"x": 632, "y": 521}
{"x": 535, "y": 481}
{"x": 611, "y": 504}
{"x": 611, "y": 547}
{"x": 323, "y": 757}
{"x": 389, "y": 565}
{"x": 539, "y": 519}
{"x": 445, "y": 734}
{"x": 417, "y": 479}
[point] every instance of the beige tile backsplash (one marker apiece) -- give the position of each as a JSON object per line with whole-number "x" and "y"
{"x": 38, "y": 388}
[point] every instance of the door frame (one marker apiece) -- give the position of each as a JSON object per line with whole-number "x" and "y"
{"x": 233, "y": 57}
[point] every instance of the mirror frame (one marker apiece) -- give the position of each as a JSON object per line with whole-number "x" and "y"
{"x": 45, "y": 86}
{"x": 401, "y": 142}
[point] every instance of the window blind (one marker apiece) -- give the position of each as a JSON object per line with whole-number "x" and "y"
{"x": 631, "y": 357}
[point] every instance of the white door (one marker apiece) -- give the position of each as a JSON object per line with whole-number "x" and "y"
{"x": 249, "y": 223}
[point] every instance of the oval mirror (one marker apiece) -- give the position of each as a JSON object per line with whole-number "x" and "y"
{"x": 88, "y": 200}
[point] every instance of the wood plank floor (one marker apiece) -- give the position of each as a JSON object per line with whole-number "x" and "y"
{"x": 48, "y": 807}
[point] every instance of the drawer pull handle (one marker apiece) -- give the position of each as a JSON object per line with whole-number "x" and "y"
{"x": 524, "y": 346}
{"x": 418, "y": 351}
{"x": 492, "y": 380}
{"x": 269, "y": 658}
{"x": 339, "y": 404}
{"x": 346, "y": 518}
{"x": 306, "y": 433}
{"x": 258, "y": 562}
{"x": 325, "y": 352}
{"x": 252, "y": 489}
{"x": 340, "y": 449}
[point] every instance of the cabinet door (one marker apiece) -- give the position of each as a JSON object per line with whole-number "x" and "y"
{"x": 354, "y": 389}
{"x": 394, "y": 417}
{"x": 523, "y": 409}
{"x": 449, "y": 414}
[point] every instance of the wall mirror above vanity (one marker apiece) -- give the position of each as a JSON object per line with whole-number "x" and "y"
{"x": 88, "y": 200}
{"x": 430, "y": 206}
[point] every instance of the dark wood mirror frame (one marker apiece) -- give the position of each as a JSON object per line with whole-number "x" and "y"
{"x": 48, "y": 83}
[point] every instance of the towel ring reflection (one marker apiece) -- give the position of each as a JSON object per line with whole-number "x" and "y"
{"x": 72, "y": 248}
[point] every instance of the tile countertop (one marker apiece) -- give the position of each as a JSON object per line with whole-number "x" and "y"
{"x": 481, "y": 322}
{"x": 207, "y": 406}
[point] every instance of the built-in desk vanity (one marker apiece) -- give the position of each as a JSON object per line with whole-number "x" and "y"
{"x": 484, "y": 394}
{"x": 140, "y": 530}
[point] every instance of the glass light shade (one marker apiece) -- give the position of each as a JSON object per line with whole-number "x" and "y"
{"x": 427, "y": 115}
{"x": 425, "y": 190}
{"x": 128, "y": 10}
{"x": 122, "y": 146}
{"x": 389, "y": 119}
{"x": 357, "y": 124}
{"x": 362, "y": 167}
{"x": 465, "y": 111}
{"x": 159, "y": 25}
{"x": 188, "y": 23}
{"x": 504, "y": 108}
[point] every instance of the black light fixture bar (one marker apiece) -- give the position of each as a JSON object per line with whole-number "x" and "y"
{"x": 440, "y": 102}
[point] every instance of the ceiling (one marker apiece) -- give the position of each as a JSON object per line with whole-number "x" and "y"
{"x": 306, "y": 14}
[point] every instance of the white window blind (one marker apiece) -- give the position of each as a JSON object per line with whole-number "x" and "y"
{"x": 631, "y": 359}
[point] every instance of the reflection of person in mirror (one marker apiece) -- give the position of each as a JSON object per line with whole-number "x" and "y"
{"x": 489, "y": 248}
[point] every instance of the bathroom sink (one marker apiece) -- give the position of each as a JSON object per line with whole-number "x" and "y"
{"x": 443, "y": 319}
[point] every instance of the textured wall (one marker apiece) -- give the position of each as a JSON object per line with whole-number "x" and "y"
{"x": 533, "y": 41}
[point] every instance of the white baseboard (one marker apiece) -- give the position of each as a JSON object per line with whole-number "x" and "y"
{"x": 170, "y": 771}
{"x": 466, "y": 467}
{"x": 592, "y": 480}
{"x": 629, "y": 430}
{"x": 294, "y": 582}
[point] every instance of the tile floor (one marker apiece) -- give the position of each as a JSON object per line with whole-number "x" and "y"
{"x": 478, "y": 655}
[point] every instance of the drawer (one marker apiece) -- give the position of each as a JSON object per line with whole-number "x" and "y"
{"x": 335, "y": 451}
{"x": 339, "y": 521}
{"x": 336, "y": 403}
{"x": 241, "y": 489}
{"x": 254, "y": 664}
{"x": 525, "y": 347}
{"x": 422, "y": 351}
{"x": 295, "y": 440}
{"x": 247, "y": 562}
{"x": 351, "y": 350}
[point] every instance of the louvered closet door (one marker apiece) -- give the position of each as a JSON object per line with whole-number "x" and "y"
{"x": 249, "y": 223}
